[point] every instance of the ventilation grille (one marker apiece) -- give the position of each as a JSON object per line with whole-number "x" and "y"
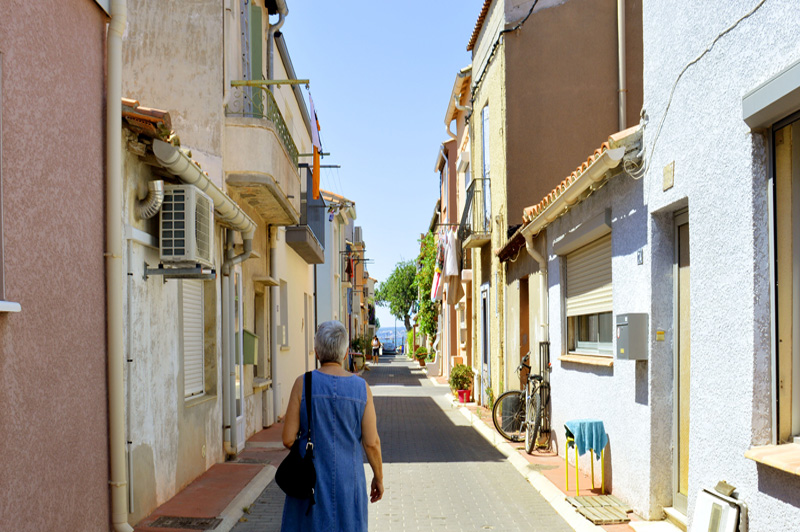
{"x": 187, "y": 227}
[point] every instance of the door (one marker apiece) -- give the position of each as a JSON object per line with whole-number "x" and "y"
{"x": 486, "y": 373}
{"x": 682, "y": 365}
{"x": 238, "y": 361}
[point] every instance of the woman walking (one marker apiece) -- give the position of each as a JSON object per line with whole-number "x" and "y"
{"x": 376, "y": 349}
{"x": 343, "y": 421}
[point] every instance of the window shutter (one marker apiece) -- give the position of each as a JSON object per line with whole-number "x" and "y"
{"x": 589, "y": 279}
{"x": 193, "y": 329}
{"x": 256, "y": 57}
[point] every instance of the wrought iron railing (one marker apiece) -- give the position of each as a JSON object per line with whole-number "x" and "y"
{"x": 477, "y": 215}
{"x": 253, "y": 99}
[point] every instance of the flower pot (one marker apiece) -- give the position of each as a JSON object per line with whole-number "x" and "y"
{"x": 421, "y": 362}
{"x": 464, "y": 396}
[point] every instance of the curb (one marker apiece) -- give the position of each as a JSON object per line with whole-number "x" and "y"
{"x": 234, "y": 511}
{"x": 547, "y": 489}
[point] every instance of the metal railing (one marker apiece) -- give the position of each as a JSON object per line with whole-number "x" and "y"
{"x": 253, "y": 99}
{"x": 477, "y": 215}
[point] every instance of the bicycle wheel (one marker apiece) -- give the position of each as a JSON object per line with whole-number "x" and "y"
{"x": 535, "y": 425}
{"x": 508, "y": 415}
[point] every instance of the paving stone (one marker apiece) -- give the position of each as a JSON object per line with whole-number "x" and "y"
{"x": 439, "y": 473}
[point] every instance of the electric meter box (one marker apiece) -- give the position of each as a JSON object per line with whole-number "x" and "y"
{"x": 632, "y": 336}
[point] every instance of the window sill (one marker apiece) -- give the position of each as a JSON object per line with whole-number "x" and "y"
{"x": 588, "y": 360}
{"x": 199, "y": 400}
{"x": 9, "y": 306}
{"x": 260, "y": 384}
{"x": 785, "y": 457}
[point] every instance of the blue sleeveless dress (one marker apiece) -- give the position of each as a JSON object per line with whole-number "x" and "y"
{"x": 341, "y": 493}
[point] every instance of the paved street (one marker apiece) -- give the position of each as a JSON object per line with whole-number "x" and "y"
{"x": 439, "y": 473}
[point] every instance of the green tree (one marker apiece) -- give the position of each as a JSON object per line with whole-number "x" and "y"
{"x": 377, "y": 323}
{"x": 398, "y": 292}
{"x": 428, "y": 314}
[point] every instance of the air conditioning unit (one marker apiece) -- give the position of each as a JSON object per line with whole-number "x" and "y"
{"x": 186, "y": 227}
{"x": 357, "y": 237}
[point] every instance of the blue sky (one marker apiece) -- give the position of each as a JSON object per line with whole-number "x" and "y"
{"x": 381, "y": 75}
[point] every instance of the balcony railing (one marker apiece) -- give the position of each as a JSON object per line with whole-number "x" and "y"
{"x": 476, "y": 221}
{"x": 253, "y": 99}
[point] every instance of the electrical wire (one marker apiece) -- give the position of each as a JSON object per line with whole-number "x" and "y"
{"x": 683, "y": 71}
{"x": 494, "y": 48}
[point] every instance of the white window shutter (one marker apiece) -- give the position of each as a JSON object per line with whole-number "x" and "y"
{"x": 193, "y": 329}
{"x": 589, "y": 279}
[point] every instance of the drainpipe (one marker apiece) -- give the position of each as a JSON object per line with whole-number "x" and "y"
{"x": 227, "y": 39}
{"x": 274, "y": 295}
{"x": 543, "y": 310}
{"x": 118, "y": 480}
{"x": 623, "y": 121}
{"x": 273, "y": 29}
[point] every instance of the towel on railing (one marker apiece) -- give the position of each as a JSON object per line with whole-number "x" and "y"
{"x": 588, "y": 434}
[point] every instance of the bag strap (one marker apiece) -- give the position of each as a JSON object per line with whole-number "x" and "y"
{"x": 309, "y": 445}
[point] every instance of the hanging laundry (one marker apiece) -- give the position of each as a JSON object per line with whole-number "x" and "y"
{"x": 452, "y": 273}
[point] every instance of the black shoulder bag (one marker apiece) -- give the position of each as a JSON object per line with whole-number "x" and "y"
{"x": 296, "y": 475}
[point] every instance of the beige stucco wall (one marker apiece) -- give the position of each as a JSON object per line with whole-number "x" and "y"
{"x": 486, "y": 266}
{"x": 173, "y": 57}
{"x": 52, "y": 353}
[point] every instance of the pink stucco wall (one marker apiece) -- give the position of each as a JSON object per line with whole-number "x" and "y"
{"x": 53, "y": 408}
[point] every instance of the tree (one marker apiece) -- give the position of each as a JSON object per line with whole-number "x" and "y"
{"x": 377, "y": 323}
{"x": 398, "y": 292}
{"x": 428, "y": 314}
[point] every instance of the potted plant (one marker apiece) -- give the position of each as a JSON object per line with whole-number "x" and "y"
{"x": 421, "y": 354}
{"x": 461, "y": 377}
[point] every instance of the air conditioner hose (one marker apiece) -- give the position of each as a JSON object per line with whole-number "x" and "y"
{"x": 149, "y": 206}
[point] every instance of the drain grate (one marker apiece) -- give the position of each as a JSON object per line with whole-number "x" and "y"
{"x": 601, "y": 510}
{"x": 191, "y": 523}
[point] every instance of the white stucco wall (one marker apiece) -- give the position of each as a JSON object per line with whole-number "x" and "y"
{"x": 721, "y": 176}
{"x": 721, "y": 168}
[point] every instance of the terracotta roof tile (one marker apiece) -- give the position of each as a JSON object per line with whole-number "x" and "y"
{"x": 479, "y": 24}
{"x": 529, "y": 213}
{"x": 153, "y": 123}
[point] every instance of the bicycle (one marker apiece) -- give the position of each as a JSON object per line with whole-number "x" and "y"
{"x": 523, "y": 414}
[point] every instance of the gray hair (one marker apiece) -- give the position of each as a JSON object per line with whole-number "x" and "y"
{"x": 330, "y": 342}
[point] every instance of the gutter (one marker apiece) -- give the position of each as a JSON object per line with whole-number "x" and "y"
{"x": 118, "y": 480}
{"x": 283, "y": 11}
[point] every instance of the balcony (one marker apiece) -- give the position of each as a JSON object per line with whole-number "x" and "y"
{"x": 475, "y": 229}
{"x": 260, "y": 156}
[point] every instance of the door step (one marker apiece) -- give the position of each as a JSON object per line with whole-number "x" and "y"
{"x": 676, "y": 518}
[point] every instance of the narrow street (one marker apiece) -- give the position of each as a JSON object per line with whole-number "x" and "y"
{"x": 439, "y": 473}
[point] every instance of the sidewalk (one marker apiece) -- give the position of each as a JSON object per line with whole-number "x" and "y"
{"x": 545, "y": 470}
{"x": 216, "y": 500}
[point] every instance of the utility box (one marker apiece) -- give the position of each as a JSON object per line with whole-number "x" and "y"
{"x": 632, "y": 336}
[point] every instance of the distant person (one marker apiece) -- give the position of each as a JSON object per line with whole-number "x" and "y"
{"x": 376, "y": 349}
{"x": 343, "y": 421}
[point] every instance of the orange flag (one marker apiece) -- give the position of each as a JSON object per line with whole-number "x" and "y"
{"x": 317, "y": 149}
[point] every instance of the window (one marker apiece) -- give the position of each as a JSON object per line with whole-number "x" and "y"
{"x": 5, "y": 306}
{"x": 786, "y": 156}
{"x": 589, "y": 299}
{"x": 487, "y": 197}
{"x": 193, "y": 326}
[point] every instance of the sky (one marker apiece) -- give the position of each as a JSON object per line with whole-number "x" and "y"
{"x": 381, "y": 74}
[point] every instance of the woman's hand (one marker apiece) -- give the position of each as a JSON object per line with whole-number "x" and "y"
{"x": 376, "y": 493}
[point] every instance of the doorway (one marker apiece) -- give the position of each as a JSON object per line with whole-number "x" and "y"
{"x": 682, "y": 360}
{"x": 486, "y": 367}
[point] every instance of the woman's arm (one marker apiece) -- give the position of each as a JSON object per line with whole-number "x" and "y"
{"x": 372, "y": 446}
{"x": 291, "y": 421}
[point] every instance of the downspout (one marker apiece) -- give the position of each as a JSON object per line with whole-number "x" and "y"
{"x": 273, "y": 29}
{"x": 227, "y": 39}
{"x": 274, "y": 295}
{"x": 118, "y": 480}
{"x": 543, "y": 310}
{"x": 623, "y": 90}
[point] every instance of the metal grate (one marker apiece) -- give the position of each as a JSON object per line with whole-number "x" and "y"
{"x": 190, "y": 523}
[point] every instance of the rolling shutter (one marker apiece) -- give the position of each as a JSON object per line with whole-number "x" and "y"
{"x": 589, "y": 279}
{"x": 193, "y": 327}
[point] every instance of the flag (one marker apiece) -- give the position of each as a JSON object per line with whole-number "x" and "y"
{"x": 317, "y": 149}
